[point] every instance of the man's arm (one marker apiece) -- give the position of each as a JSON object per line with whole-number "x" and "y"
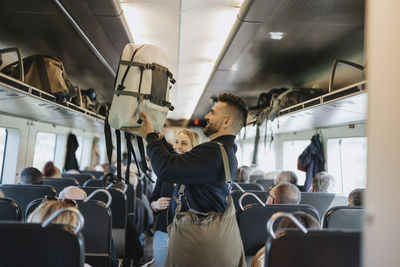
{"x": 200, "y": 165}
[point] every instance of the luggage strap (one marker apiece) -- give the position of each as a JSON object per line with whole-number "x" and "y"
{"x": 228, "y": 179}
{"x": 152, "y": 66}
{"x": 155, "y": 100}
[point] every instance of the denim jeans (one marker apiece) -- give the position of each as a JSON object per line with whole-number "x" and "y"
{"x": 160, "y": 248}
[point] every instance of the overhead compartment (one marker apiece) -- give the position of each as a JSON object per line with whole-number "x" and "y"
{"x": 21, "y": 100}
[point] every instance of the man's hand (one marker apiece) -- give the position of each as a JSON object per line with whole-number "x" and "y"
{"x": 161, "y": 204}
{"x": 143, "y": 130}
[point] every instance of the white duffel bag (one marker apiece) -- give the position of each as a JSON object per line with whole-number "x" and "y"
{"x": 142, "y": 85}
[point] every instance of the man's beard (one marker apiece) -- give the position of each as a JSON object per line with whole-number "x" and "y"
{"x": 211, "y": 128}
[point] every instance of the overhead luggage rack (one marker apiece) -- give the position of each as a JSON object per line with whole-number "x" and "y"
{"x": 22, "y": 100}
{"x": 339, "y": 107}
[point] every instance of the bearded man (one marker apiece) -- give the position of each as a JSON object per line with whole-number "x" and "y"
{"x": 201, "y": 170}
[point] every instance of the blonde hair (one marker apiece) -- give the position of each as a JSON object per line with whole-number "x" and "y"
{"x": 44, "y": 210}
{"x": 193, "y": 136}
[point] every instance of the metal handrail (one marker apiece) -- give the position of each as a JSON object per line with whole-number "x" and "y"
{"x": 249, "y": 194}
{"x": 238, "y": 186}
{"x": 278, "y": 215}
{"x": 81, "y": 220}
{"x": 98, "y": 191}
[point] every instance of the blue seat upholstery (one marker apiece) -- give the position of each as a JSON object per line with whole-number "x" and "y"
{"x": 344, "y": 217}
{"x": 253, "y": 220}
{"x": 249, "y": 187}
{"x": 81, "y": 178}
{"x": 24, "y": 194}
{"x": 265, "y": 183}
{"x": 93, "y": 183}
{"x": 317, "y": 248}
{"x": 97, "y": 232}
{"x": 262, "y": 195}
{"x": 28, "y": 244}
{"x": 322, "y": 201}
{"x": 119, "y": 209}
{"x": 60, "y": 183}
{"x": 9, "y": 210}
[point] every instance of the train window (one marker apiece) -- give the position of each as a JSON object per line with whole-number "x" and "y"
{"x": 44, "y": 149}
{"x": 347, "y": 162}
{"x": 3, "y": 137}
{"x": 266, "y": 157}
{"x": 291, "y": 151}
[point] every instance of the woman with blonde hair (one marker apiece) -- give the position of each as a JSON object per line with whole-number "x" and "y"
{"x": 49, "y": 206}
{"x": 185, "y": 140}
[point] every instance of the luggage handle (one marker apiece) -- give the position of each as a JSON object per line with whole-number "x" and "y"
{"x": 333, "y": 72}
{"x": 249, "y": 194}
{"x": 99, "y": 191}
{"x": 21, "y": 66}
{"x": 278, "y": 215}
{"x": 81, "y": 220}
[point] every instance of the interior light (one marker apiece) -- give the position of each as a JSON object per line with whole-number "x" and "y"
{"x": 276, "y": 35}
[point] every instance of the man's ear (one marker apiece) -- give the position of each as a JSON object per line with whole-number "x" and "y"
{"x": 227, "y": 122}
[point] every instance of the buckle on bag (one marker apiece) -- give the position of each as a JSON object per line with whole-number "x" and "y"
{"x": 229, "y": 184}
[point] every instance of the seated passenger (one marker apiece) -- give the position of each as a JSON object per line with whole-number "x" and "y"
{"x": 73, "y": 171}
{"x": 286, "y": 177}
{"x": 284, "y": 193}
{"x": 31, "y": 175}
{"x": 242, "y": 174}
{"x": 48, "y": 207}
{"x": 305, "y": 219}
{"x": 1, "y": 194}
{"x": 50, "y": 171}
{"x": 72, "y": 192}
{"x": 356, "y": 197}
{"x": 321, "y": 182}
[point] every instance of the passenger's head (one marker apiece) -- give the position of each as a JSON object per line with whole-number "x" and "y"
{"x": 185, "y": 140}
{"x": 50, "y": 171}
{"x": 321, "y": 182}
{"x": 72, "y": 171}
{"x": 284, "y": 193}
{"x": 305, "y": 219}
{"x": 31, "y": 175}
{"x": 286, "y": 177}
{"x": 72, "y": 192}
{"x": 227, "y": 117}
{"x": 356, "y": 197}
{"x": 1, "y": 194}
{"x": 46, "y": 208}
{"x": 242, "y": 174}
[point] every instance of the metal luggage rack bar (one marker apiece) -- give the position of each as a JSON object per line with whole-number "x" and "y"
{"x": 22, "y": 100}
{"x": 342, "y": 93}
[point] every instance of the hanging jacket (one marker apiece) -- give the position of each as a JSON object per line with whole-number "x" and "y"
{"x": 70, "y": 159}
{"x": 312, "y": 161}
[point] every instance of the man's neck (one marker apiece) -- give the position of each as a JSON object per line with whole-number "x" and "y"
{"x": 218, "y": 134}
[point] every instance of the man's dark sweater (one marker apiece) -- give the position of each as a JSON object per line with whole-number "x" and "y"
{"x": 201, "y": 170}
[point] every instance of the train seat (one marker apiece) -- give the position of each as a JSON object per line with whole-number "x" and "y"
{"x": 253, "y": 220}
{"x": 30, "y": 244}
{"x": 249, "y": 187}
{"x": 24, "y": 194}
{"x": 119, "y": 210}
{"x": 317, "y": 248}
{"x": 262, "y": 195}
{"x": 96, "y": 232}
{"x": 344, "y": 217}
{"x": 265, "y": 183}
{"x": 81, "y": 178}
{"x": 322, "y": 201}
{"x": 60, "y": 183}
{"x": 93, "y": 183}
{"x": 96, "y": 174}
{"x": 9, "y": 210}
